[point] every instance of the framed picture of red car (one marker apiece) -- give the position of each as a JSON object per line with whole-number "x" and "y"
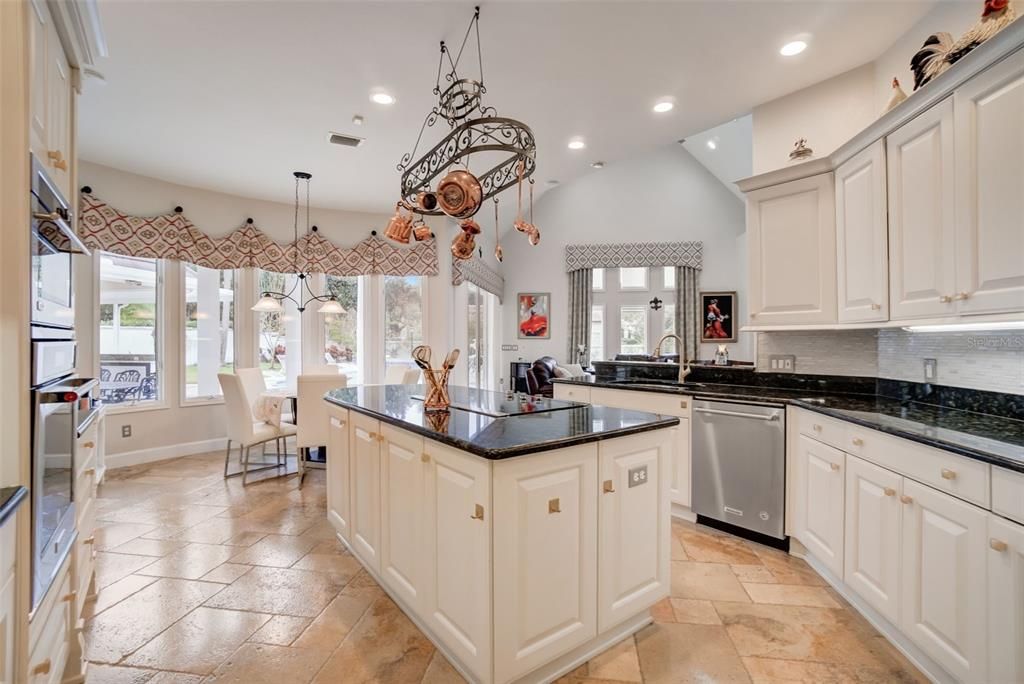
{"x": 719, "y": 316}
{"x": 534, "y": 315}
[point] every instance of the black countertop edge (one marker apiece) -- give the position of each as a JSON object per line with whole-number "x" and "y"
{"x": 812, "y": 401}
{"x": 10, "y": 499}
{"x": 525, "y": 450}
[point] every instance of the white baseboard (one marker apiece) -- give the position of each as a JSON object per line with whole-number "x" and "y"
{"x": 681, "y": 512}
{"x": 131, "y": 458}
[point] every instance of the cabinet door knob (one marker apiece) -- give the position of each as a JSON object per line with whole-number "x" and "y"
{"x": 42, "y": 668}
{"x": 961, "y": 296}
{"x": 89, "y": 540}
{"x": 88, "y": 445}
{"x": 817, "y": 428}
{"x": 57, "y": 159}
{"x": 857, "y": 441}
{"x": 68, "y": 598}
{"x": 875, "y": 307}
{"x": 478, "y": 513}
{"x": 608, "y": 487}
{"x": 381, "y": 437}
{"x": 945, "y": 299}
{"x": 425, "y": 457}
{"x": 889, "y": 491}
{"x": 834, "y": 466}
{"x": 906, "y": 499}
{"x": 998, "y": 545}
{"x": 948, "y": 474}
{"x": 554, "y": 506}
{"x": 682, "y": 404}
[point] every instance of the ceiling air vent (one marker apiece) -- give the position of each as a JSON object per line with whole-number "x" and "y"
{"x": 344, "y": 139}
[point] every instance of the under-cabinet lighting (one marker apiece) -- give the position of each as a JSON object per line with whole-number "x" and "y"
{"x": 967, "y": 327}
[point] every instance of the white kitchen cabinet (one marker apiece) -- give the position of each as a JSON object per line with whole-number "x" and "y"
{"x": 40, "y": 31}
{"x": 58, "y": 83}
{"x": 339, "y": 472}
{"x": 820, "y": 485}
{"x": 365, "y": 454}
{"x": 792, "y": 252}
{"x": 989, "y": 136}
{"x": 873, "y": 528}
{"x": 922, "y": 222}
{"x": 402, "y": 548}
{"x": 944, "y": 580}
{"x": 8, "y": 627}
{"x": 457, "y": 533}
{"x": 679, "y": 487}
{"x": 862, "y": 237}
{"x": 545, "y": 568}
{"x": 634, "y": 555}
{"x": 1005, "y": 600}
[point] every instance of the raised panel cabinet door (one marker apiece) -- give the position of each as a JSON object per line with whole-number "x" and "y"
{"x": 922, "y": 228}
{"x": 1005, "y": 600}
{"x": 873, "y": 528}
{"x": 679, "y": 490}
{"x": 635, "y": 525}
{"x": 8, "y": 626}
{"x": 792, "y": 252}
{"x": 545, "y": 559}
{"x": 403, "y": 473}
{"x": 862, "y": 237}
{"x": 457, "y": 582}
{"x": 943, "y": 586}
{"x": 339, "y": 473}
{"x": 39, "y": 93}
{"x": 58, "y": 141}
{"x": 989, "y": 136}
{"x": 365, "y": 454}
{"x": 820, "y": 491}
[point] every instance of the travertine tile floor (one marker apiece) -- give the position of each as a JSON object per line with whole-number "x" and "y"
{"x": 204, "y": 581}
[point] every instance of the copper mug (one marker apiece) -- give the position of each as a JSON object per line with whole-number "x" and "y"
{"x": 399, "y": 227}
{"x": 421, "y": 231}
{"x": 459, "y": 194}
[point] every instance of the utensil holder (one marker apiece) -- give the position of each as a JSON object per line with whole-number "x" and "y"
{"x": 437, "y": 390}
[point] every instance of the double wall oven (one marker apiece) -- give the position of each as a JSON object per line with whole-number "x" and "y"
{"x": 63, "y": 404}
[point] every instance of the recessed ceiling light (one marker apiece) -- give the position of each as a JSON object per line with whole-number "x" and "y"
{"x": 357, "y": 120}
{"x": 383, "y": 98}
{"x": 664, "y": 106}
{"x": 577, "y": 144}
{"x": 598, "y": 164}
{"x": 793, "y": 48}
{"x": 712, "y": 145}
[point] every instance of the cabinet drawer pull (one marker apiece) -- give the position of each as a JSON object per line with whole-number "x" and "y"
{"x": 817, "y": 428}
{"x": 554, "y": 506}
{"x": 47, "y": 216}
{"x": 89, "y": 472}
{"x": 57, "y": 160}
{"x": 857, "y": 441}
{"x": 948, "y": 474}
{"x": 998, "y": 545}
{"x": 906, "y": 499}
{"x": 89, "y": 540}
{"x": 875, "y": 307}
{"x": 88, "y": 445}
{"x": 834, "y": 466}
{"x": 381, "y": 438}
{"x": 478, "y": 514}
{"x": 961, "y": 296}
{"x": 425, "y": 457}
{"x": 68, "y": 598}
{"x": 945, "y": 299}
{"x": 42, "y": 668}
{"x": 609, "y": 487}
{"x": 889, "y": 491}
{"x": 682, "y": 404}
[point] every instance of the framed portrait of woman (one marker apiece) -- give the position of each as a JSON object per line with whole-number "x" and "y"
{"x": 719, "y": 316}
{"x": 534, "y": 315}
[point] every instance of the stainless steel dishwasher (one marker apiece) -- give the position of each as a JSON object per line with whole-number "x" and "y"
{"x": 739, "y": 464}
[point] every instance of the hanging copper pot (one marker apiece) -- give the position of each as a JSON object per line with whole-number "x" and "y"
{"x": 459, "y": 194}
{"x": 399, "y": 227}
{"x": 464, "y": 243}
{"x": 421, "y": 231}
{"x": 427, "y": 201}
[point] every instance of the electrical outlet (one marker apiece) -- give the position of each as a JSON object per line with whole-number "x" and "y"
{"x": 782, "y": 362}
{"x": 126, "y": 431}
{"x": 931, "y": 370}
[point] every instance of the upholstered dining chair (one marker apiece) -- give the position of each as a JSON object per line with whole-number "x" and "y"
{"x": 402, "y": 375}
{"x": 312, "y": 410}
{"x": 244, "y": 429}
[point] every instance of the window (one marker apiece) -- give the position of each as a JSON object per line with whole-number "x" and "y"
{"x": 597, "y": 283}
{"x": 669, "y": 346}
{"x": 633, "y": 329}
{"x": 279, "y": 334}
{"x": 669, "y": 277}
{"x": 597, "y": 332}
{"x": 632, "y": 278}
{"x": 130, "y": 349}
{"x": 403, "y": 318}
{"x": 209, "y": 345}
{"x": 476, "y": 331}
{"x": 341, "y": 331}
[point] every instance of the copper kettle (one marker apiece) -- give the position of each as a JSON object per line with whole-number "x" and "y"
{"x": 400, "y": 226}
{"x": 464, "y": 243}
{"x": 459, "y": 194}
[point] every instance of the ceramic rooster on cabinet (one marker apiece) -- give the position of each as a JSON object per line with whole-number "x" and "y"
{"x": 940, "y": 51}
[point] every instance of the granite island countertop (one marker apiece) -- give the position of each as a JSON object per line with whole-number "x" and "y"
{"x": 993, "y": 439}
{"x": 492, "y": 425}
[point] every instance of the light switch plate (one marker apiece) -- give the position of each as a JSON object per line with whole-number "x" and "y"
{"x": 931, "y": 370}
{"x": 126, "y": 431}
{"x": 510, "y": 347}
{"x": 782, "y": 362}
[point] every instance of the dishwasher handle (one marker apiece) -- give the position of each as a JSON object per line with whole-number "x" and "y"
{"x": 737, "y": 414}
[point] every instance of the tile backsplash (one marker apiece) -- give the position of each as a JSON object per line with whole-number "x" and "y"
{"x": 991, "y": 361}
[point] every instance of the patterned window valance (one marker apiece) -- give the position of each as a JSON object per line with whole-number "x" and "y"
{"x": 689, "y": 253}
{"x": 480, "y": 274}
{"x": 172, "y": 236}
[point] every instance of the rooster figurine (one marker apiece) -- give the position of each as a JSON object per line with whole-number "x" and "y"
{"x": 897, "y": 95}
{"x": 940, "y": 52}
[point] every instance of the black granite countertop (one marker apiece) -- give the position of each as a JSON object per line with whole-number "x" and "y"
{"x": 990, "y": 438}
{"x": 10, "y": 499}
{"x": 535, "y": 427}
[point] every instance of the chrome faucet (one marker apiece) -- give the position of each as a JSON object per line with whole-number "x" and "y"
{"x": 684, "y": 366}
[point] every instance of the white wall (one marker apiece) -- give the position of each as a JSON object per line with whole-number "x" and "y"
{"x": 827, "y": 114}
{"x": 665, "y": 195}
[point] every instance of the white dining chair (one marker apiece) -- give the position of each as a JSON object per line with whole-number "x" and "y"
{"x": 244, "y": 429}
{"x": 401, "y": 375}
{"x": 312, "y": 413}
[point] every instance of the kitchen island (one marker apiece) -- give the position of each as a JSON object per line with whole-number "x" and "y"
{"x": 522, "y": 536}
